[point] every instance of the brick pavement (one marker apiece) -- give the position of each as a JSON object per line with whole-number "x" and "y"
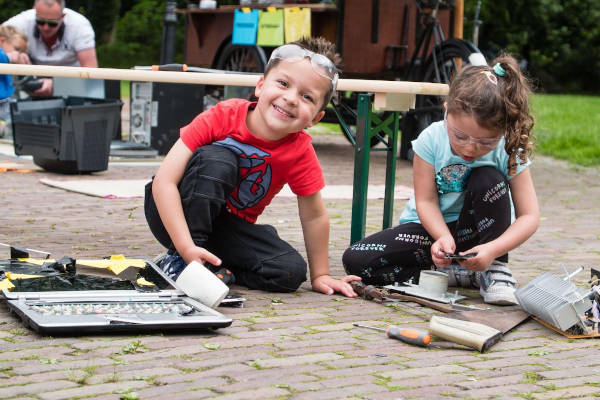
{"x": 300, "y": 345}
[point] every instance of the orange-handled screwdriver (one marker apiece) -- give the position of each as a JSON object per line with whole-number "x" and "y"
{"x": 407, "y": 335}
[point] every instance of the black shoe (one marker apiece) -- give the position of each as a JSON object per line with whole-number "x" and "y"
{"x": 223, "y": 274}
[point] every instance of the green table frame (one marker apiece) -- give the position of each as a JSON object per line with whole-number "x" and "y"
{"x": 369, "y": 125}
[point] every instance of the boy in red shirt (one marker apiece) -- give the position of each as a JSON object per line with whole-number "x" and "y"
{"x": 230, "y": 162}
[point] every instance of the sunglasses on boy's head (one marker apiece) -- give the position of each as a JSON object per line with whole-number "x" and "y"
{"x": 52, "y": 23}
{"x": 321, "y": 64}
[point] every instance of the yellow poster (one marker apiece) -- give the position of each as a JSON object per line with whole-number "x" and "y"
{"x": 297, "y": 23}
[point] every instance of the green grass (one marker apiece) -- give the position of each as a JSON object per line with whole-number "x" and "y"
{"x": 568, "y": 127}
{"x": 325, "y": 128}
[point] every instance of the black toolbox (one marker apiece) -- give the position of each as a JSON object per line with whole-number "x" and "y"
{"x": 66, "y": 134}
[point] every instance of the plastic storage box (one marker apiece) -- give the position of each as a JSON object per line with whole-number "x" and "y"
{"x": 69, "y": 134}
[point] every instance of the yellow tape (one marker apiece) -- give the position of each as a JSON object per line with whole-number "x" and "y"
{"x": 144, "y": 282}
{"x": 6, "y": 284}
{"x": 12, "y": 276}
{"x": 117, "y": 263}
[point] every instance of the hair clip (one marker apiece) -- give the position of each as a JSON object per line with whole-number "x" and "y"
{"x": 491, "y": 77}
{"x": 498, "y": 70}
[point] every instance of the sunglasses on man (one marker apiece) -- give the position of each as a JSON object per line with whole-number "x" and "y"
{"x": 52, "y": 23}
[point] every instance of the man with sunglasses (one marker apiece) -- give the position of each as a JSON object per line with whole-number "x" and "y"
{"x": 57, "y": 36}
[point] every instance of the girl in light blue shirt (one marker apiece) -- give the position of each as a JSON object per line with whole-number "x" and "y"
{"x": 474, "y": 199}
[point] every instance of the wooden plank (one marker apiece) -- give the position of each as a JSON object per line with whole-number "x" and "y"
{"x": 394, "y": 101}
{"x": 356, "y": 85}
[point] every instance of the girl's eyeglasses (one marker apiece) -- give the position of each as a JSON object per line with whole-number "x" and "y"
{"x": 321, "y": 64}
{"x": 52, "y": 23}
{"x": 463, "y": 139}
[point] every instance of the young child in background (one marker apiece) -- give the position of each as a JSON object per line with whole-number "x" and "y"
{"x": 13, "y": 49}
{"x": 471, "y": 172}
{"x": 230, "y": 162}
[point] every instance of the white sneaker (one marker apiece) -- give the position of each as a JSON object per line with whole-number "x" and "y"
{"x": 497, "y": 285}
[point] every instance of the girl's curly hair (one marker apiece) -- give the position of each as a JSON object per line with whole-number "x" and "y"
{"x": 503, "y": 106}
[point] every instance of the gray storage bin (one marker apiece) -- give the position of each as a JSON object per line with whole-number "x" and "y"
{"x": 68, "y": 135}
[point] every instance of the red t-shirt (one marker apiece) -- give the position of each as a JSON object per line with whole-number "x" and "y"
{"x": 265, "y": 166}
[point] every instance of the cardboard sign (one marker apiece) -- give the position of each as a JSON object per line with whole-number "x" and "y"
{"x": 245, "y": 26}
{"x": 297, "y": 23}
{"x": 270, "y": 27}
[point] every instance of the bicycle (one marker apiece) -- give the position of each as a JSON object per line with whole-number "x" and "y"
{"x": 438, "y": 66}
{"x": 433, "y": 60}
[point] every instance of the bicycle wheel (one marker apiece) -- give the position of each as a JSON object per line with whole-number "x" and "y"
{"x": 241, "y": 59}
{"x": 441, "y": 66}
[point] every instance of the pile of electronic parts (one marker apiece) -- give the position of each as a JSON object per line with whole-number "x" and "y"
{"x": 557, "y": 303}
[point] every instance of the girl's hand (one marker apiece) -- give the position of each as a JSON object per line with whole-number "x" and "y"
{"x": 481, "y": 261}
{"x": 329, "y": 285}
{"x": 439, "y": 248}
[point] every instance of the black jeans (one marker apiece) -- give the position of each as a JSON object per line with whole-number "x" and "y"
{"x": 255, "y": 253}
{"x": 400, "y": 253}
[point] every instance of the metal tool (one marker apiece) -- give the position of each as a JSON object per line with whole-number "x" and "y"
{"x": 466, "y": 307}
{"x": 405, "y": 304}
{"x": 555, "y": 300}
{"x": 417, "y": 337}
{"x": 432, "y": 285}
{"x": 21, "y": 252}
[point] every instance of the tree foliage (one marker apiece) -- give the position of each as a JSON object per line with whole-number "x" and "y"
{"x": 559, "y": 39}
{"x": 139, "y": 36}
{"x": 9, "y": 8}
{"x": 103, "y": 16}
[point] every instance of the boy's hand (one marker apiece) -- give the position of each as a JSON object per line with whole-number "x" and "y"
{"x": 439, "y": 248}
{"x": 200, "y": 254}
{"x": 328, "y": 285}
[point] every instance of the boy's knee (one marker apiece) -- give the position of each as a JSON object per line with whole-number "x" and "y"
{"x": 287, "y": 273}
{"x": 211, "y": 172}
{"x": 294, "y": 273}
{"x": 214, "y": 162}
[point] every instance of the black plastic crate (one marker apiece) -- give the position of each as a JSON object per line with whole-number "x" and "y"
{"x": 69, "y": 134}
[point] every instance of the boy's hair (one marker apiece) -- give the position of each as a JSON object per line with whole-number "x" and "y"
{"x": 318, "y": 45}
{"x": 11, "y": 33}
{"x": 499, "y": 102}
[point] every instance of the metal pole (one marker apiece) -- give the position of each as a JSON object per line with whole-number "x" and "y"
{"x": 167, "y": 48}
{"x": 390, "y": 174}
{"x": 459, "y": 8}
{"x": 476, "y": 23}
{"x": 362, "y": 154}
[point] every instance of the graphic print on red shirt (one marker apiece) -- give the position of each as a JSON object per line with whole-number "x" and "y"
{"x": 265, "y": 166}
